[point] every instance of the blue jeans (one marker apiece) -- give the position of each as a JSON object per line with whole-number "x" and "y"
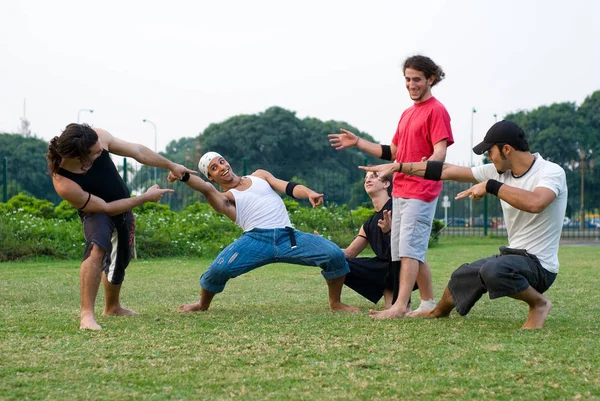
{"x": 261, "y": 246}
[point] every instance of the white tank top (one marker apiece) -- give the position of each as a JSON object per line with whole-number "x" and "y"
{"x": 259, "y": 207}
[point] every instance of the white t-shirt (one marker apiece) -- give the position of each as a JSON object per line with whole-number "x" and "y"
{"x": 538, "y": 233}
{"x": 259, "y": 207}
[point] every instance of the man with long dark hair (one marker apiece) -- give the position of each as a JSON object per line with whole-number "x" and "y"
{"x": 84, "y": 175}
{"x": 423, "y": 133}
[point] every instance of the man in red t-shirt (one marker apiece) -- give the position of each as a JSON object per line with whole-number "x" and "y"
{"x": 423, "y": 133}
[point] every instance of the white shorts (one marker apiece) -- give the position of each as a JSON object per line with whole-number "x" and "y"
{"x": 411, "y": 227}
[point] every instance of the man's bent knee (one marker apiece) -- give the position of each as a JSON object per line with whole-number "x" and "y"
{"x": 490, "y": 272}
{"x": 95, "y": 255}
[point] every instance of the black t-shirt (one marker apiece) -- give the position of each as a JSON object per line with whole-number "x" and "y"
{"x": 380, "y": 242}
{"x": 102, "y": 179}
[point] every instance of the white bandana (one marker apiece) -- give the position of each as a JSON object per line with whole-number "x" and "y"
{"x": 205, "y": 161}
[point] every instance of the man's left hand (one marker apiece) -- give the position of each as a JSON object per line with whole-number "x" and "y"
{"x": 179, "y": 170}
{"x": 315, "y": 199}
{"x": 386, "y": 223}
{"x": 382, "y": 170}
{"x": 476, "y": 192}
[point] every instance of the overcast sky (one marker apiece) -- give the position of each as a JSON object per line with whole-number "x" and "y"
{"x": 187, "y": 64}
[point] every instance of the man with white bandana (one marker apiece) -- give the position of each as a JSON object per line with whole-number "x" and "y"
{"x": 253, "y": 203}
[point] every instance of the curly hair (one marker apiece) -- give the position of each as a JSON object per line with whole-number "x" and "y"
{"x": 426, "y": 66}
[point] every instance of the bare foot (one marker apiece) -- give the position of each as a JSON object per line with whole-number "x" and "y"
{"x": 119, "y": 311}
{"x": 387, "y": 314}
{"x": 425, "y": 314}
{"x": 89, "y": 323}
{"x": 195, "y": 307}
{"x": 537, "y": 315}
{"x": 342, "y": 307}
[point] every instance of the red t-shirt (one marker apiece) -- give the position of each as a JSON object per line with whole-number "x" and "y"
{"x": 421, "y": 126}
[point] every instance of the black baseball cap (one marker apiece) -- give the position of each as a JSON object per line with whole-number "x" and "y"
{"x": 504, "y": 132}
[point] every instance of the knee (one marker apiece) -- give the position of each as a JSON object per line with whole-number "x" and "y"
{"x": 460, "y": 272}
{"x": 489, "y": 272}
{"x": 96, "y": 254}
{"x": 337, "y": 256}
{"x": 218, "y": 270}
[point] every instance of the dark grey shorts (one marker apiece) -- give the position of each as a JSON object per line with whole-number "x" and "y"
{"x": 113, "y": 234}
{"x": 501, "y": 275}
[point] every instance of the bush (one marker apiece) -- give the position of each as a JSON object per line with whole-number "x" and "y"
{"x": 30, "y": 228}
{"x": 64, "y": 211}
{"x": 196, "y": 231}
{"x": 29, "y": 205}
{"x": 24, "y": 236}
{"x": 436, "y": 229}
{"x": 333, "y": 222}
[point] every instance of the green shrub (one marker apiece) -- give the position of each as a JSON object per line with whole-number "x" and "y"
{"x": 152, "y": 207}
{"x": 64, "y": 211}
{"x": 196, "y": 231}
{"x": 29, "y": 205}
{"x": 362, "y": 214}
{"x": 333, "y": 222}
{"x": 31, "y": 228}
{"x": 24, "y": 236}
{"x": 436, "y": 228}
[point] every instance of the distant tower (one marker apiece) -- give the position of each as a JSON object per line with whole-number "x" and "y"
{"x": 25, "y": 131}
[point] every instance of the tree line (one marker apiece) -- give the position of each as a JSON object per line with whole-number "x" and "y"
{"x": 298, "y": 149}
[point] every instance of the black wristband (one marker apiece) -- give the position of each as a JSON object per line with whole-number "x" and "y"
{"x": 386, "y": 152}
{"x": 493, "y": 186}
{"x": 289, "y": 188}
{"x": 433, "y": 170}
{"x": 186, "y": 176}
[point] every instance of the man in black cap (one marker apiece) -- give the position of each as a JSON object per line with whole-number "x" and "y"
{"x": 533, "y": 194}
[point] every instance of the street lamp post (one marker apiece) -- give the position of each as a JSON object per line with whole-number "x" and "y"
{"x": 583, "y": 164}
{"x": 473, "y": 111}
{"x": 495, "y": 117}
{"x": 79, "y": 113}
{"x": 582, "y": 203}
{"x": 155, "y": 151}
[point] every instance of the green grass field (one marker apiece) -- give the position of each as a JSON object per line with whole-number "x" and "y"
{"x": 270, "y": 336}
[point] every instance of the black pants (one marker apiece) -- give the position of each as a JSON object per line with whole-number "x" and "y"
{"x": 501, "y": 275}
{"x": 371, "y": 276}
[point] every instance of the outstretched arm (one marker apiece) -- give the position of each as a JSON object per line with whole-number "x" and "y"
{"x": 140, "y": 153}
{"x": 529, "y": 201}
{"x": 449, "y": 171}
{"x": 218, "y": 200}
{"x": 346, "y": 139}
{"x": 299, "y": 191}
{"x": 82, "y": 200}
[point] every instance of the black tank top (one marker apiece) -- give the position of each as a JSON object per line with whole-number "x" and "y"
{"x": 380, "y": 242}
{"x": 102, "y": 179}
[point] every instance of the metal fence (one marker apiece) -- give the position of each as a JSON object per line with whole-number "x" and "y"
{"x": 462, "y": 217}
{"x": 465, "y": 217}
